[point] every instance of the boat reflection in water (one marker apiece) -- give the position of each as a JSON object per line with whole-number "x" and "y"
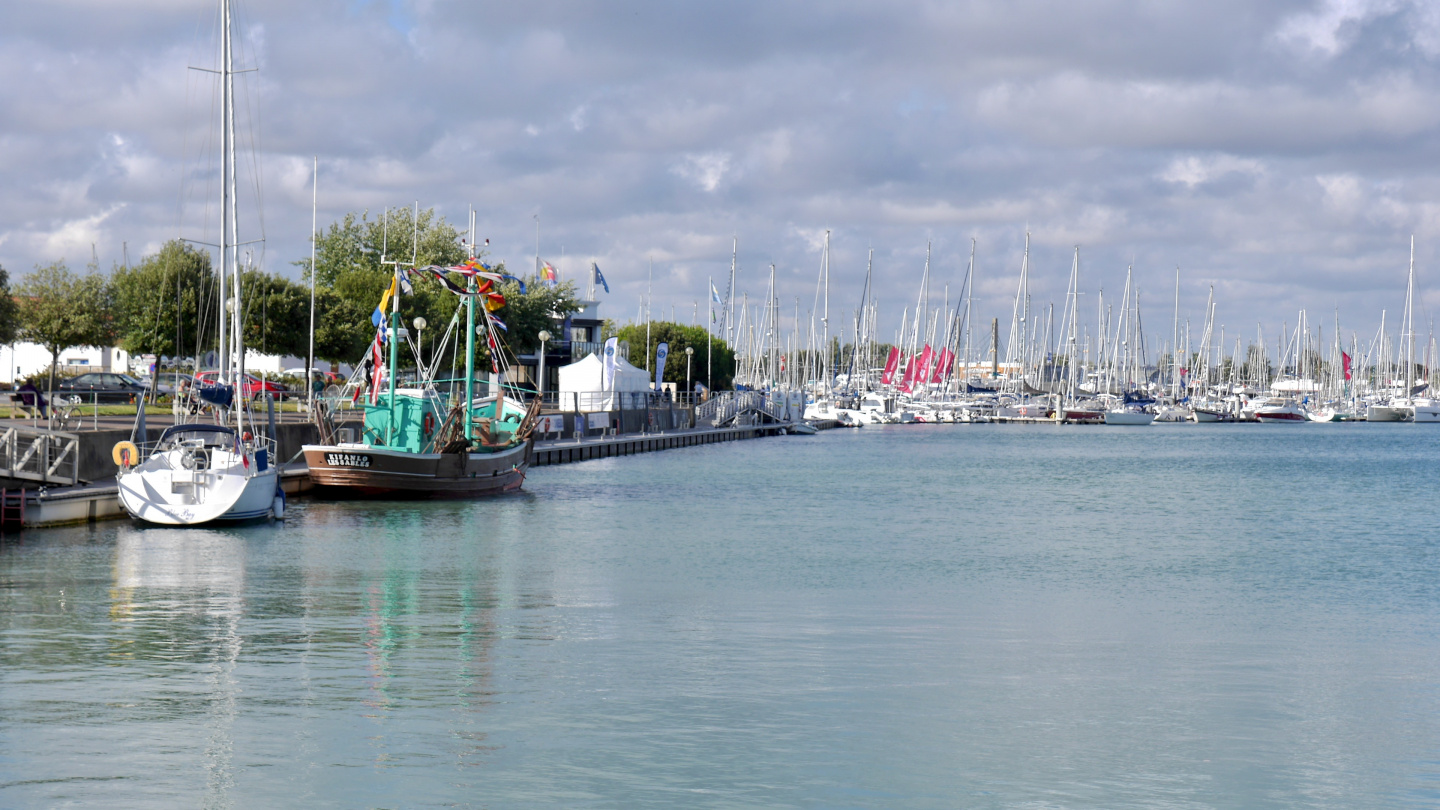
{"x": 181, "y": 593}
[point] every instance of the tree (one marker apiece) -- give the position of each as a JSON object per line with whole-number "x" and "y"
{"x": 9, "y": 310}
{"x": 160, "y": 302}
{"x": 277, "y": 314}
{"x": 679, "y": 336}
{"x": 60, "y": 310}
{"x": 353, "y": 271}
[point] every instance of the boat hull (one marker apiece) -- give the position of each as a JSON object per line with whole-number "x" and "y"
{"x": 1128, "y": 418}
{"x": 154, "y": 498}
{"x": 1387, "y": 413}
{"x": 365, "y": 470}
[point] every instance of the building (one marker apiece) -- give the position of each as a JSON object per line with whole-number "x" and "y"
{"x": 21, "y": 360}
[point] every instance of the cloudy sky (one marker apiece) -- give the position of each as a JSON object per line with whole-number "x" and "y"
{"x": 1283, "y": 151}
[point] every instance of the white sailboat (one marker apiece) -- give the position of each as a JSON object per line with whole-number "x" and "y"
{"x": 199, "y": 473}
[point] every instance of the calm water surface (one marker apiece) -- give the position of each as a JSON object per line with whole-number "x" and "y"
{"x": 904, "y": 617}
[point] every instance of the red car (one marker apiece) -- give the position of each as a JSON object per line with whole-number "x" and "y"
{"x": 254, "y": 386}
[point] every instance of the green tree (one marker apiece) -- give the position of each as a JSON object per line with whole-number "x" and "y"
{"x": 277, "y": 314}
{"x": 9, "y": 310}
{"x": 353, "y": 271}
{"x": 160, "y": 302}
{"x": 679, "y": 336}
{"x": 60, "y": 310}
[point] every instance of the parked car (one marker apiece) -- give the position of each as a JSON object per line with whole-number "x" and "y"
{"x": 254, "y": 386}
{"x": 103, "y": 387}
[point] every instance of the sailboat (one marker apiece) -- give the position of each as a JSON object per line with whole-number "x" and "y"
{"x": 204, "y": 472}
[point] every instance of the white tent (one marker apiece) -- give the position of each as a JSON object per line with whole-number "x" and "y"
{"x": 582, "y": 384}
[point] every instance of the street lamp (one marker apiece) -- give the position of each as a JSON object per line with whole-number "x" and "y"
{"x": 540, "y": 385}
{"x": 689, "y": 353}
{"x": 420, "y": 324}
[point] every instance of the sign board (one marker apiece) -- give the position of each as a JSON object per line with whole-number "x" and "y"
{"x": 597, "y": 421}
{"x": 554, "y": 423}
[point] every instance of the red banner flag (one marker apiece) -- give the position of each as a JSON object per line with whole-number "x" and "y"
{"x": 927, "y": 358}
{"x": 942, "y": 368}
{"x": 1345, "y": 361}
{"x": 891, "y": 364}
{"x": 908, "y": 382}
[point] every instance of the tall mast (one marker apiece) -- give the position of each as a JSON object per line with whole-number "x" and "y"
{"x": 237, "y": 312}
{"x": 825, "y": 318}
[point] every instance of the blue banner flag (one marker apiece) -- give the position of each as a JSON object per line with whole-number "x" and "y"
{"x": 661, "y": 352}
{"x": 599, "y": 276}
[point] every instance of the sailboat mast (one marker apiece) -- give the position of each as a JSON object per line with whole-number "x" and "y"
{"x": 236, "y": 311}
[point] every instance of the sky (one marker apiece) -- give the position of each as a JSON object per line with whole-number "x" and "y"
{"x": 1283, "y": 152}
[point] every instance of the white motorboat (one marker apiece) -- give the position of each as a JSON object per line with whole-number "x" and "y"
{"x": 1281, "y": 409}
{"x": 1129, "y": 417}
{"x": 1424, "y": 409}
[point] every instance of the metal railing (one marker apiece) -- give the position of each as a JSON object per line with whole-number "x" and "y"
{"x": 46, "y": 456}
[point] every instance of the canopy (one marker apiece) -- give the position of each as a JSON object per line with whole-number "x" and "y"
{"x": 582, "y": 384}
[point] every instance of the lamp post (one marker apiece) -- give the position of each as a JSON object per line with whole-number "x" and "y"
{"x": 540, "y": 384}
{"x": 689, "y": 353}
{"x": 420, "y": 324}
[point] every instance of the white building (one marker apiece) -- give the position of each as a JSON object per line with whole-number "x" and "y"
{"x": 20, "y": 360}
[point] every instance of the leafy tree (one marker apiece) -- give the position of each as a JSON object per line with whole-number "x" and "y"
{"x": 277, "y": 314}
{"x": 60, "y": 310}
{"x": 680, "y": 336}
{"x": 159, "y": 302}
{"x": 9, "y": 310}
{"x": 352, "y": 275}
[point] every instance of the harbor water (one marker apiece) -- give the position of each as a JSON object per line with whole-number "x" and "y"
{"x": 896, "y": 617}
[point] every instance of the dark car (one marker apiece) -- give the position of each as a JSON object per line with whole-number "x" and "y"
{"x": 102, "y": 386}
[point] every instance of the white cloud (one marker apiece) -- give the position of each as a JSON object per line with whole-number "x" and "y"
{"x": 704, "y": 170}
{"x": 1194, "y": 170}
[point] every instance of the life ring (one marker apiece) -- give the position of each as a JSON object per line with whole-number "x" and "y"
{"x": 125, "y": 454}
{"x": 429, "y": 423}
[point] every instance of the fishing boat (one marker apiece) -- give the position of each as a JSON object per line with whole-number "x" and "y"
{"x": 202, "y": 473}
{"x": 413, "y": 441}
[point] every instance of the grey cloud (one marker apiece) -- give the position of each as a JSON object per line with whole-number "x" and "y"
{"x": 1218, "y": 136}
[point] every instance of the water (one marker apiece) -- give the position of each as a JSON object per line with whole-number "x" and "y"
{"x": 904, "y": 617}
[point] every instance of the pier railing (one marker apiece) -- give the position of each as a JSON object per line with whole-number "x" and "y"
{"x": 44, "y": 456}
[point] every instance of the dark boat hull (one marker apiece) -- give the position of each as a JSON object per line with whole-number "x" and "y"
{"x": 361, "y": 470}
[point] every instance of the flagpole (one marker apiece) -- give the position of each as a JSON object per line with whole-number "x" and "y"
{"x": 709, "y": 332}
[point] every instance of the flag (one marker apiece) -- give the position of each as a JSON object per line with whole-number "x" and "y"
{"x": 922, "y": 375}
{"x": 942, "y": 368}
{"x": 908, "y": 381}
{"x": 661, "y": 352}
{"x": 599, "y": 276}
{"x": 608, "y": 374}
{"x": 548, "y": 274}
{"x": 405, "y": 285}
{"x": 1345, "y": 360}
{"x": 891, "y": 364}
{"x": 714, "y": 293}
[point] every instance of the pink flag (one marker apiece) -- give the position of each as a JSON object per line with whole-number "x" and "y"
{"x": 891, "y": 364}
{"x": 927, "y": 362}
{"x": 942, "y": 368}
{"x": 911, "y": 366}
